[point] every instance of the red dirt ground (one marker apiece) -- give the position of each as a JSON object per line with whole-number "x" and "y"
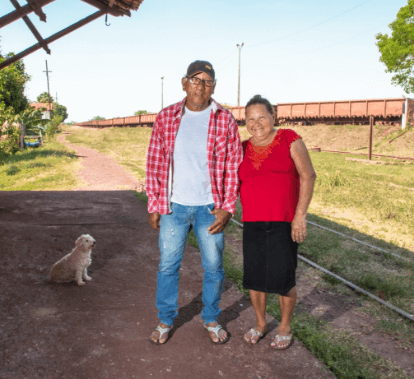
{"x": 101, "y": 330}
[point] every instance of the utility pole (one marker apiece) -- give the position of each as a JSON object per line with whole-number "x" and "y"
{"x": 48, "y": 91}
{"x": 371, "y": 125}
{"x": 162, "y": 92}
{"x": 238, "y": 91}
{"x": 56, "y": 99}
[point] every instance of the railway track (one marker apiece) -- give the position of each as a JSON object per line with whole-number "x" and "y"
{"x": 346, "y": 282}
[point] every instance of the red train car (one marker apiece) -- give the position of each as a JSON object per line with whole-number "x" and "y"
{"x": 354, "y": 112}
{"x": 384, "y": 111}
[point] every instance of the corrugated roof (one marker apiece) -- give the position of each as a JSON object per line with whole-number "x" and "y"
{"x": 41, "y": 106}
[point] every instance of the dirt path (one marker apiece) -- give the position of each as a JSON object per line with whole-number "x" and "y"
{"x": 100, "y": 172}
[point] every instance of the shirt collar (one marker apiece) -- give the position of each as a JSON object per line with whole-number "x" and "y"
{"x": 215, "y": 106}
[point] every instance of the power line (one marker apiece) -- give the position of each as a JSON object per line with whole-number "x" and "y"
{"x": 234, "y": 52}
{"x": 313, "y": 26}
{"x": 335, "y": 44}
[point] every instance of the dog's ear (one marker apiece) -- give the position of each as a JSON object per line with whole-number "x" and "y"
{"x": 79, "y": 241}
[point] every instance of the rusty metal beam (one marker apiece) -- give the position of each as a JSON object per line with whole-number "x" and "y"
{"x": 23, "y": 11}
{"x": 104, "y": 7}
{"x": 52, "y": 38}
{"x": 32, "y": 28}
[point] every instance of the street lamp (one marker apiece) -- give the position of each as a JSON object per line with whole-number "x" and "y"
{"x": 162, "y": 92}
{"x": 238, "y": 92}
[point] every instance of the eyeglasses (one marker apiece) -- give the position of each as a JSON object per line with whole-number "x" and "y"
{"x": 197, "y": 81}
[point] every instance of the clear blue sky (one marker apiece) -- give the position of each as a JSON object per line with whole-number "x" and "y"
{"x": 294, "y": 51}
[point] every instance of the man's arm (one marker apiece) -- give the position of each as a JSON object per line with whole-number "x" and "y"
{"x": 231, "y": 179}
{"x": 231, "y": 167}
{"x": 155, "y": 159}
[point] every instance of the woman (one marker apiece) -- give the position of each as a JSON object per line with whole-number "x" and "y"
{"x": 277, "y": 180}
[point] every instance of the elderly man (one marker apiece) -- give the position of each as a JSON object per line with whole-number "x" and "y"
{"x": 192, "y": 162}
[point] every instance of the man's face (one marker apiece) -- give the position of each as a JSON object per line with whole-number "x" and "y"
{"x": 198, "y": 95}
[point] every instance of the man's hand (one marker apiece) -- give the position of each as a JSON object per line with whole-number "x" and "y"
{"x": 222, "y": 219}
{"x": 154, "y": 220}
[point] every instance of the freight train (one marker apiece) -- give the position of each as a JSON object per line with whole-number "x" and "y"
{"x": 348, "y": 112}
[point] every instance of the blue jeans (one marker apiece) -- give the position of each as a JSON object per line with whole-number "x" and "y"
{"x": 173, "y": 234}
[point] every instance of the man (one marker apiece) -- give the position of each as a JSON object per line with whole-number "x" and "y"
{"x": 191, "y": 180}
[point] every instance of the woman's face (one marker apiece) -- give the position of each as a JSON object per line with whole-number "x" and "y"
{"x": 259, "y": 122}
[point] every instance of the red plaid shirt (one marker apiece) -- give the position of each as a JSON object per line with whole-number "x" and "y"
{"x": 224, "y": 154}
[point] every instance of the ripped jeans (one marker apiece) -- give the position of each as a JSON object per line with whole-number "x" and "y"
{"x": 173, "y": 234}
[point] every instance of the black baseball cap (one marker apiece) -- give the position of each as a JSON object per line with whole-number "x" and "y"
{"x": 201, "y": 66}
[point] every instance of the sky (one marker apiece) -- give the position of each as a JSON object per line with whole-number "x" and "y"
{"x": 294, "y": 51}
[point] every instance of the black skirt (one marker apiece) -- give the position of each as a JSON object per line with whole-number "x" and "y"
{"x": 270, "y": 257}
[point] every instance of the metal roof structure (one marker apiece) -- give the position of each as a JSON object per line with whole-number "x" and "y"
{"x": 115, "y": 8}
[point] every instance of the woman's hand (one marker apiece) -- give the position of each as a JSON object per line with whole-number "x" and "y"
{"x": 299, "y": 228}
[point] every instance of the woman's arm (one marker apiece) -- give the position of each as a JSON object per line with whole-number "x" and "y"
{"x": 300, "y": 156}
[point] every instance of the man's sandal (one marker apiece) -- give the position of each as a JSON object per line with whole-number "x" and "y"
{"x": 254, "y": 333}
{"x": 161, "y": 331}
{"x": 215, "y": 330}
{"x": 279, "y": 338}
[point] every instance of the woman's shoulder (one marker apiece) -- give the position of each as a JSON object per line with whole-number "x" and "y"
{"x": 290, "y": 135}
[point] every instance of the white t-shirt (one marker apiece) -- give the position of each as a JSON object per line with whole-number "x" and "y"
{"x": 191, "y": 178}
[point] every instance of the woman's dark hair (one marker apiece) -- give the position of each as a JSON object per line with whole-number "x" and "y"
{"x": 258, "y": 99}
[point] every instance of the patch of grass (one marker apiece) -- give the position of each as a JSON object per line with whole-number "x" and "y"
{"x": 50, "y": 167}
{"x": 368, "y": 190}
{"x": 331, "y": 180}
{"x": 12, "y": 170}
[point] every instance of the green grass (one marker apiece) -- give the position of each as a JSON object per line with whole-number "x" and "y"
{"x": 50, "y": 167}
{"x": 382, "y": 195}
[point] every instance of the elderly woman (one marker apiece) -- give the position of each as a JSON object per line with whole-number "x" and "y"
{"x": 277, "y": 180}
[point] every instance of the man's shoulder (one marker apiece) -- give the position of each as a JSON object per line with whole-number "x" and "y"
{"x": 224, "y": 112}
{"x": 171, "y": 110}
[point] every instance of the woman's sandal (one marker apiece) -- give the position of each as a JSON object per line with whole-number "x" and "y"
{"x": 254, "y": 333}
{"x": 279, "y": 338}
{"x": 161, "y": 331}
{"x": 215, "y": 330}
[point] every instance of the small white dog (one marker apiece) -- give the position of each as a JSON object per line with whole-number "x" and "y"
{"x": 73, "y": 267}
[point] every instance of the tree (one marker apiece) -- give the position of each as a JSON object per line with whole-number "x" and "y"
{"x": 397, "y": 51}
{"x": 13, "y": 81}
{"x": 97, "y": 118}
{"x": 137, "y": 113}
{"x": 13, "y": 102}
{"x": 44, "y": 98}
{"x": 31, "y": 119}
{"x": 60, "y": 110}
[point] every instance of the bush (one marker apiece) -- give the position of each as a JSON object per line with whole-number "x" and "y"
{"x": 53, "y": 126}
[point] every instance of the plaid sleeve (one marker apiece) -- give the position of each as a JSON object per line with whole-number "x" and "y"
{"x": 231, "y": 167}
{"x": 155, "y": 159}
